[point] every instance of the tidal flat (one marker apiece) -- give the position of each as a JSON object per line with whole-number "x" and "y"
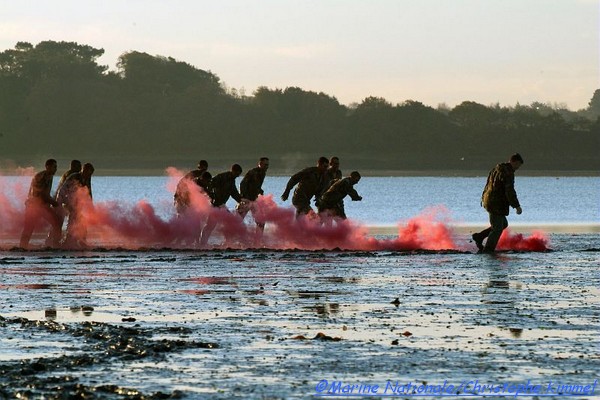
{"x": 271, "y": 324}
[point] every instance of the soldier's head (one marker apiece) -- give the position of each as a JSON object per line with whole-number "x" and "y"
{"x": 323, "y": 163}
{"x": 516, "y": 161}
{"x": 354, "y": 177}
{"x": 334, "y": 163}
{"x": 202, "y": 165}
{"x": 87, "y": 170}
{"x": 75, "y": 165}
{"x": 263, "y": 163}
{"x": 51, "y": 165}
{"x": 236, "y": 170}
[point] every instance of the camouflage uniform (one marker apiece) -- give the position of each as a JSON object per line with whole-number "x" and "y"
{"x": 39, "y": 191}
{"x": 498, "y": 195}
{"x": 64, "y": 194}
{"x": 310, "y": 183}
{"x": 222, "y": 187}
{"x": 331, "y": 176}
{"x": 67, "y": 197}
{"x": 251, "y": 185}
{"x": 62, "y": 180}
{"x": 181, "y": 198}
{"x": 251, "y": 188}
{"x": 333, "y": 199}
{"x": 38, "y": 206}
{"x": 195, "y": 173}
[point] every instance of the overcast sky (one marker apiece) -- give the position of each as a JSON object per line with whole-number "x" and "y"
{"x": 433, "y": 51}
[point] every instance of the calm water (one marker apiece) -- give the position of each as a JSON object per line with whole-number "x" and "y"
{"x": 271, "y": 325}
{"x": 195, "y": 324}
{"x": 389, "y": 200}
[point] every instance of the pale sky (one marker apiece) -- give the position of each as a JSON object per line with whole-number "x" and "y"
{"x": 433, "y": 51}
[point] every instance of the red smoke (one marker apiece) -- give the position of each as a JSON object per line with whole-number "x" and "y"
{"x": 13, "y": 193}
{"x": 538, "y": 241}
{"x": 113, "y": 224}
{"x": 138, "y": 225}
{"x": 428, "y": 231}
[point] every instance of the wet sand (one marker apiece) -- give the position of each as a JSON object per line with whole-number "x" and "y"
{"x": 221, "y": 324}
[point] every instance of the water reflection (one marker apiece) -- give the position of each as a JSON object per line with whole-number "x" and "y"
{"x": 324, "y": 309}
{"x": 466, "y": 315}
{"x": 501, "y": 298}
{"x": 516, "y": 332}
{"x": 50, "y": 314}
{"x": 340, "y": 279}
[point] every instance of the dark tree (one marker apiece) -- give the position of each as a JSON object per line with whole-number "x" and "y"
{"x": 156, "y": 111}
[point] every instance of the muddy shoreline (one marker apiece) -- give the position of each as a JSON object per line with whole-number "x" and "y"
{"x": 227, "y": 324}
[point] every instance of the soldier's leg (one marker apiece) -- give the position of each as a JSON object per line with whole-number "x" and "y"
{"x": 71, "y": 235}
{"x": 302, "y": 209}
{"x": 479, "y": 237}
{"x": 498, "y": 224}
{"x": 339, "y": 210}
{"x": 55, "y": 234}
{"x": 29, "y": 222}
{"x": 243, "y": 207}
{"x": 485, "y": 233}
{"x": 325, "y": 213}
{"x": 260, "y": 224}
{"x": 211, "y": 223}
{"x": 54, "y": 219}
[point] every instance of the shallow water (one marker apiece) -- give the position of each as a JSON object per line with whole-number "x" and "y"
{"x": 386, "y": 200}
{"x": 246, "y": 324}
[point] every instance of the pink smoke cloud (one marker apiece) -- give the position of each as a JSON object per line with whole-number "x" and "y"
{"x": 538, "y": 241}
{"x": 114, "y": 224}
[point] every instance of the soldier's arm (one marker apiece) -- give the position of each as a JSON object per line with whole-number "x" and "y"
{"x": 252, "y": 180}
{"x": 44, "y": 193}
{"x": 234, "y": 192}
{"x": 244, "y": 184}
{"x": 354, "y": 194}
{"x": 324, "y": 185}
{"x": 509, "y": 186}
{"x": 291, "y": 183}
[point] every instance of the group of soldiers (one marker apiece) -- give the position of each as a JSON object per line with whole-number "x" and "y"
{"x": 73, "y": 194}
{"x": 323, "y": 183}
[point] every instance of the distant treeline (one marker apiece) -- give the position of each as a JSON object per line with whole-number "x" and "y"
{"x": 154, "y": 111}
